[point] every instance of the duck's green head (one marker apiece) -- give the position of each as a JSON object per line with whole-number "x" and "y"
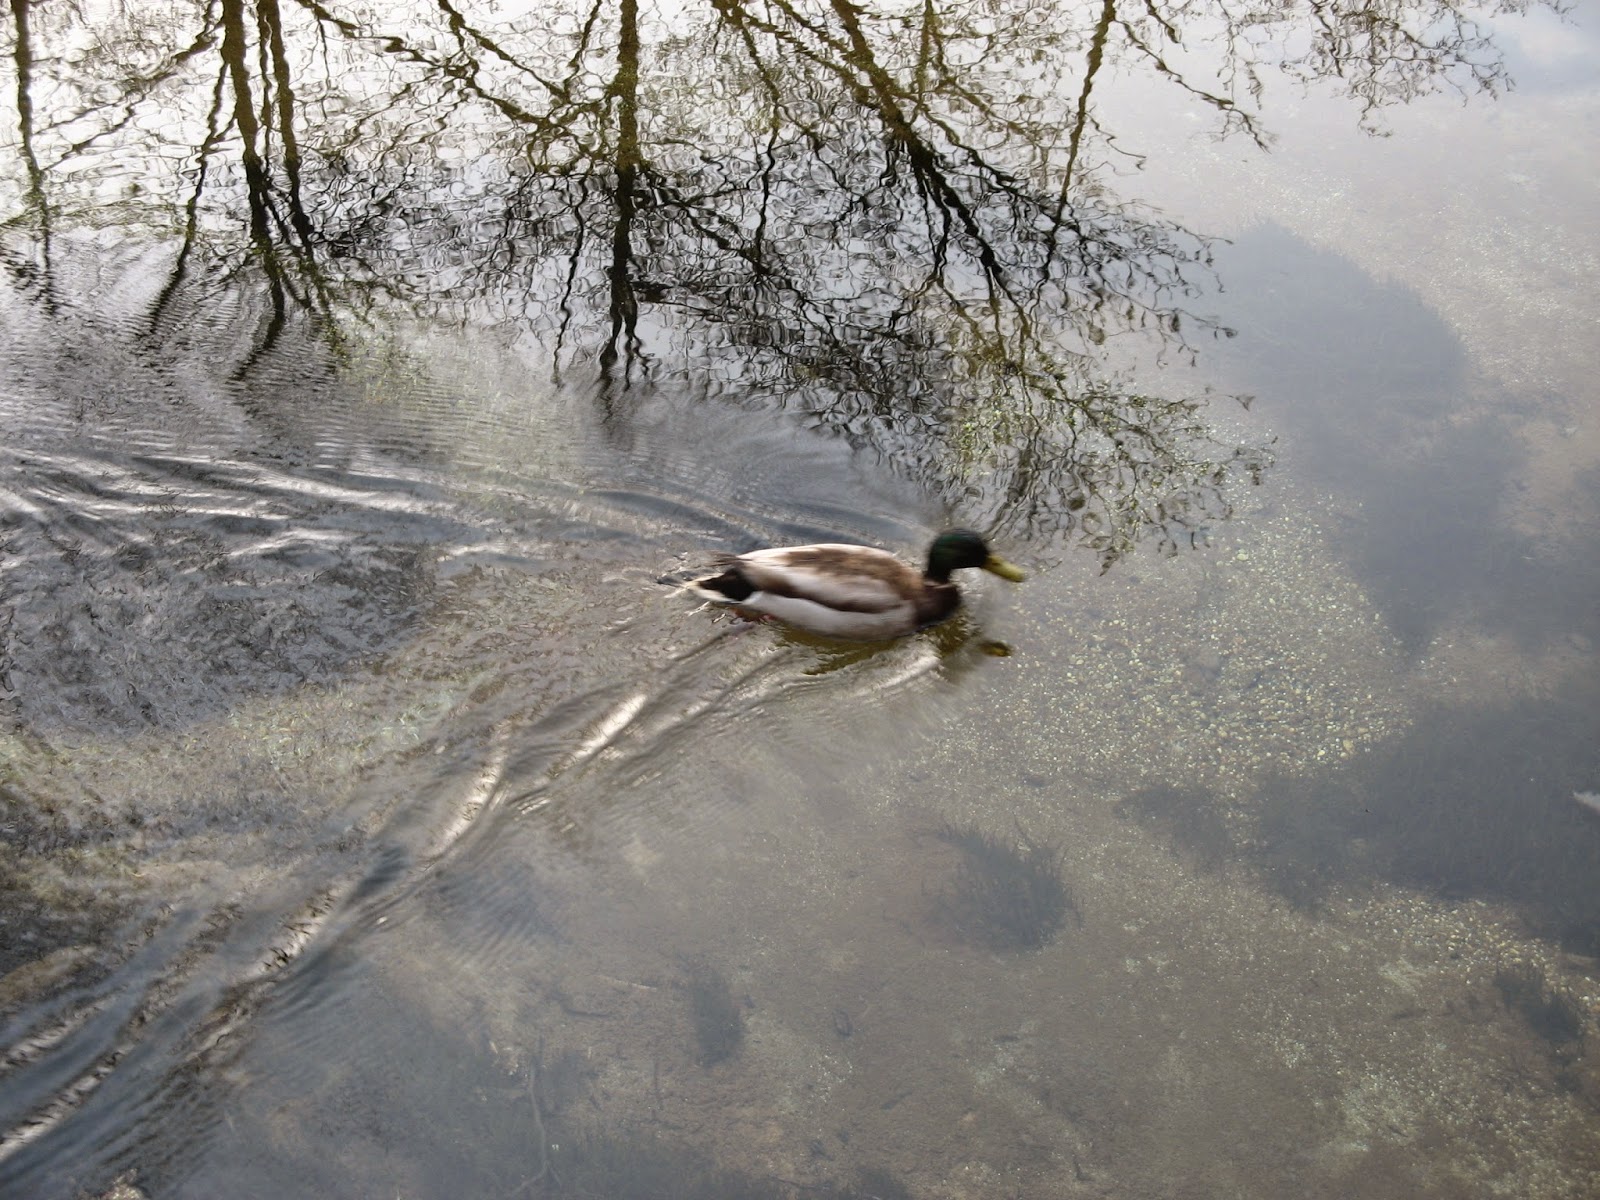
{"x": 961, "y": 548}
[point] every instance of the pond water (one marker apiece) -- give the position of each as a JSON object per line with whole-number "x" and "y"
{"x": 378, "y": 817}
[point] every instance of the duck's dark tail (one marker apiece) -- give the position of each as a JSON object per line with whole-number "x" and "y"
{"x": 729, "y": 587}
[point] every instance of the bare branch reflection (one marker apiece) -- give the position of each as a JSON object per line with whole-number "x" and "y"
{"x": 897, "y": 218}
{"x": 34, "y": 275}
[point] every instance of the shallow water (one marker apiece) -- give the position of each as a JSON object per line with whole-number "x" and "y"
{"x": 378, "y": 818}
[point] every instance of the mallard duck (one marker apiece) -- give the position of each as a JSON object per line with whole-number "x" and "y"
{"x": 853, "y": 592}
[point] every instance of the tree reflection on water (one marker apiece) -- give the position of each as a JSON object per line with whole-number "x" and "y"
{"x": 897, "y": 218}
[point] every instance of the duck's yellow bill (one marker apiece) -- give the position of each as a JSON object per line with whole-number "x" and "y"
{"x": 1005, "y": 570}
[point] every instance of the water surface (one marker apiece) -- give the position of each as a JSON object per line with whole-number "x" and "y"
{"x": 378, "y": 818}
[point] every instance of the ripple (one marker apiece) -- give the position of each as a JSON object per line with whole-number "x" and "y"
{"x": 323, "y": 654}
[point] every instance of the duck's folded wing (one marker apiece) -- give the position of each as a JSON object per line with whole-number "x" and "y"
{"x": 847, "y": 578}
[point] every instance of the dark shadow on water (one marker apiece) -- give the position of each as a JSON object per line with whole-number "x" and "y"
{"x": 1191, "y": 821}
{"x": 1469, "y": 803}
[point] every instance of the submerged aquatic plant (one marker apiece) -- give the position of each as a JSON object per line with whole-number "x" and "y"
{"x": 1006, "y": 895}
{"x": 1550, "y": 1012}
{"x": 718, "y": 1019}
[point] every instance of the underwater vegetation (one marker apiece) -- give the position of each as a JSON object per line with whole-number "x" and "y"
{"x": 1007, "y": 895}
{"x": 632, "y": 1165}
{"x": 1550, "y": 1012}
{"x": 718, "y": 1018}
